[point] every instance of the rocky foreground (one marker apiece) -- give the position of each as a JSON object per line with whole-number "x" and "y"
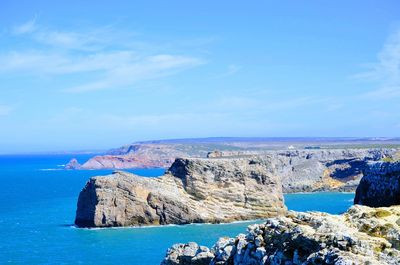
{"x": 191, "y": 191}
{"x": 362, "y": 235}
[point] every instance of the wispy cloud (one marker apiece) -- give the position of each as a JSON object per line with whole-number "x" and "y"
{"x": 109, "y": 57}
{"x": 5, "y": 110}
{"x": 144, "y": 68}
{"x": 27, "y": 27}
{"x": 386, "y": 71}
{"x": 231, "y": 70}
{"x": 271, "y": 103}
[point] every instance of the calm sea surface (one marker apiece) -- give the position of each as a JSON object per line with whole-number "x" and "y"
{"x": 37, "y": 210}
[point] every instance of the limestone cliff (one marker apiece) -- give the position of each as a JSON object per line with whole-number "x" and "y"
{"x": 380, "y": 185}
{"x": 300, "y": 170}
{"x": 192, "y": 191}
{"x": 362, "y": 235}
{"x": 323, "y": 170}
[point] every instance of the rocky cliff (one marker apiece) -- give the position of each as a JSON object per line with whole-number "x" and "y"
{"x": 380, "y": 185}
{"x": 192, "y": 191}
{"x": 323, "y": 170}
{"x": 163, "y": 153}
{"x": 362, "y": 235}
{"x": 300, "y": 170}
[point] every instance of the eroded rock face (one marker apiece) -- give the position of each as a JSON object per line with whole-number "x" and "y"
{"x": 300, "y": 170}
{"x": 362, "y": 235}
{"x": 192, "y": 191}
{"x": 325, "y": 170}
{"x": 380, "y": 185}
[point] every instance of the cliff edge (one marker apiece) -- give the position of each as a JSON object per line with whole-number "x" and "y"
{"x": 380, "y": 185}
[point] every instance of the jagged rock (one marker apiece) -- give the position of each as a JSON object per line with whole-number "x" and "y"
{"x": 191, "y": 191}
{"x": 362, "y": 235}
{"x": 380, "y": 185}
{"x": 73, "y": 164}
{"x": 188, "y": 254}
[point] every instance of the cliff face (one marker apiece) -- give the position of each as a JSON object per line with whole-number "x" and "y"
{"x": 380, "y": 185}
{"x": 362, "y": 235}
{"x": 300, "y": 170}
{"x": 322, "y": 170}
{"x": 192, "y": 191}
{"x": 136, "y": 156}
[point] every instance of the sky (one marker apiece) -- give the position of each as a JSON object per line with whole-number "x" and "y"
{"x": 88, "y": 75}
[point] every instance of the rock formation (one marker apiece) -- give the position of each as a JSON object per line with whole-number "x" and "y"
{"x": 73, "y": 164}
{"x": 362, "y": 235}
{"x": 380, "y": 185}
{"x": 191, "y": 191}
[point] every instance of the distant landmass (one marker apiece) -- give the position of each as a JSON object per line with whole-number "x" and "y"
{"x": 162, "y": 153}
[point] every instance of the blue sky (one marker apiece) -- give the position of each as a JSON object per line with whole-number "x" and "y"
{"x": 91, "y": 75}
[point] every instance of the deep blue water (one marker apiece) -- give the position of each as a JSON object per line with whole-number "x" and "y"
{"x": 37, "y": 210}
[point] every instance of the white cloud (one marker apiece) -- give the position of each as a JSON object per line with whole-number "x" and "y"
{"x": 27, "y": 27}
{"x": 108, "y": 58}
{"x": 145, "y": 68}
{"x": 386, "y": 71}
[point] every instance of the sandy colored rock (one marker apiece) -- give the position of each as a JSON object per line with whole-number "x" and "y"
{"x": 192, "y": 191}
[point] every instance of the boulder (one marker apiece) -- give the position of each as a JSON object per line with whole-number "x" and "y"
{"x": 188, "y": 254}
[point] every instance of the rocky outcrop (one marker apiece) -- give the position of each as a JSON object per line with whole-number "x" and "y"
{"x": 188, "y": 254}
{"x": 380, "y": 185}
{"x": 73, "y": 164}
{"x": 214, "y": 154}
{"x": 362, "y": 235}
{"x": 191, "y": 191}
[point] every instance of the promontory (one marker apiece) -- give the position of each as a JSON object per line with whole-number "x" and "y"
{"x": 191, "y": 191}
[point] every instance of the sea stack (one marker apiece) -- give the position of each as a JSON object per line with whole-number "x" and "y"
{"x": 73, "y": 164}
{"x": 191, "y": 191}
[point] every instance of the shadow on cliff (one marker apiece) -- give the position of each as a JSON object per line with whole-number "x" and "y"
{"x": 347, "y": 168}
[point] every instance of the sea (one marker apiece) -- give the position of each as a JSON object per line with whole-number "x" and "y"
{"x": 37, "y": 210}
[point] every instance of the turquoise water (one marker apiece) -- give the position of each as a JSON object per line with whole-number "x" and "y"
{"x": 37, "y": 210}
